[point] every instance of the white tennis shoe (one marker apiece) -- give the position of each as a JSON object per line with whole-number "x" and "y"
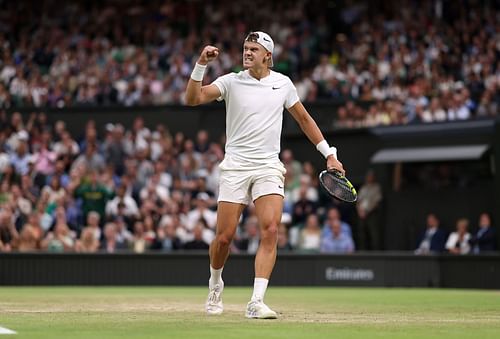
{"x": 214, "y": 304}
{"x": 256, "y": 309}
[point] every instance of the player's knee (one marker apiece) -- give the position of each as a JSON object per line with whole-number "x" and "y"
{"x": 224, "y": 239}
{"x": 270, "y": 232}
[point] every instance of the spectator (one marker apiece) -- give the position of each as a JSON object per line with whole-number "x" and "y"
{"x": 33, "y": 238}
{"x": 332, "y": 216}
{"x": 21, "y": 158}
{"x": 249, "y": 242}
{"x": 110, "y": 243}
{"x": 459, "y": 241}
{"x": 368, "y": 207}
{"x": 310, "y": 236}
{"x": 122, "y": 205}
{"x": 28, "y": 239}
{"x": 114, "y": 147}
{"x": 93, "y": 194}
{"x": 433, "y": 239}
{"x": 485, "y": 239}
{"x": 139, "y": 242}
{"x": 123, "y": 236}
{"x": 22, "y": 205}
{"x": 9, "y": 236}
{"x": 66, "y": 147}
{"x": 283, "y": 243}
{"x": 166, "y": 239}
{"x": 54, "y": 190}
{"x": 303, "y": 207}
{"x": 202, "y": 143}
{"x": 60, "y": 172}
{"x": 93, "y": 220}
{"x": 90, "y": 160}
{"x": 293, "y": 170}
{"x": 201, "y": 211}
{"x": 87, "y": 242}
{"x": 197, "y": 243}
{"x": 60, "y": 239}
{"x": 336, "y": 241}
{"x": 44, "y": 159}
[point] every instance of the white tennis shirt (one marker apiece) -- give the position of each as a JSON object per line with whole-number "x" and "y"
{"x": 254, "y": 116}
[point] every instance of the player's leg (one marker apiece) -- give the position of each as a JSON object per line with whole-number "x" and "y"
{"x": 228, "y": 215}
{"x": 233, "y": 197}
{"x": 268, "y": 209}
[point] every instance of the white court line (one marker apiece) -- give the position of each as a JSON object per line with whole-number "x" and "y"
{"x": 4, "y": 330}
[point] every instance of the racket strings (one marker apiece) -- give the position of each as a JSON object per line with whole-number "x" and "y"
{"x": 337, "y": 186}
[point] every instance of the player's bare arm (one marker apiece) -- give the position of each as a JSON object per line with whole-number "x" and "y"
{"x": 196, "y": 94}
{"x": 313, "y": 133}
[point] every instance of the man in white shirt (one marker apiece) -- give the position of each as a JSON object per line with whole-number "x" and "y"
{"x": 251, "y": 170}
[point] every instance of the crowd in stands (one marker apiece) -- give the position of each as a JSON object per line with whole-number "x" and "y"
{"x": 403, "y": 62}
{"x": 136, "y": 189}
{"x": 115, "y": 189}
{"x": 434, "y": 239}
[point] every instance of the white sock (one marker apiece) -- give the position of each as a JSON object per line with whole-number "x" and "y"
{"x": 215, "y": 276}
{"x": 259, "y": 288}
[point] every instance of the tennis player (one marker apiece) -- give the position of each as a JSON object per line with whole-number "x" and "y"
{"x": 251, "y": 169}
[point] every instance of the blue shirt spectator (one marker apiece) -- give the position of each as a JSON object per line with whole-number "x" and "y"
{"x": 336, "y": 241}
{"x": 332, "y": 216}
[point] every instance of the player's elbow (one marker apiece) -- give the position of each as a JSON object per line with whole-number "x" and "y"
{"x": 191, "y": 100}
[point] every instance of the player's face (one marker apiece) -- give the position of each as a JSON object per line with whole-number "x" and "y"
{"x": 254, "y": 55}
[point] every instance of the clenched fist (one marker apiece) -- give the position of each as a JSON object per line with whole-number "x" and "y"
{"x": 208, "y": 54}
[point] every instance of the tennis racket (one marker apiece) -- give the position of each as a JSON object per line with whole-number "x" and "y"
{"x": 338, "y": 186}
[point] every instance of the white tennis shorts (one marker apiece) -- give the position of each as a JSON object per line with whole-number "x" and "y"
{"x": 245, "y": 186}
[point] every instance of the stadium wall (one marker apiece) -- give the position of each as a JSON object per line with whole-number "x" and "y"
{"x": 183, "y": 269}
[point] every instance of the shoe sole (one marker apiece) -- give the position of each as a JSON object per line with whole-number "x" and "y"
{"x": 269, "y": 316}
{"x": 214, "y": 313}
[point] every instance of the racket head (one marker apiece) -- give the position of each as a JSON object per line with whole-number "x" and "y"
{"x": 338, "y": 186}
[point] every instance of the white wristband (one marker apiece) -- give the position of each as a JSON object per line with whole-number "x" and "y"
{"x": 326, "y": 149}
{"x": 198, "y": 72}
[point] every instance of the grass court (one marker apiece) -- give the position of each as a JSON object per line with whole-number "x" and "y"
{"x": 178, "y": 312}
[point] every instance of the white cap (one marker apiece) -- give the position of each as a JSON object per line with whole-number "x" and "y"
{"x": 265, "y": 40}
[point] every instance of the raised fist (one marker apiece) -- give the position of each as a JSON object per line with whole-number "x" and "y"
{"x": 208, "y": 54}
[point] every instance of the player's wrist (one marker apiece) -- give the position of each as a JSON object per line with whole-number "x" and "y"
{"x": 326, "y": 150}
{"x": 202, "y": 61}
{"x": 198, "y": 71}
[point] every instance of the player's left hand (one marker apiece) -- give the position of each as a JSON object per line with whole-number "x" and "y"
{"x": 333, "y": 164}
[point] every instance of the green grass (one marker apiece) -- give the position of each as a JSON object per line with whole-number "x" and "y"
{"x": 137, "y": 312}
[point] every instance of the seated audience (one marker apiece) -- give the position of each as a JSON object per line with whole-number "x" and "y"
{"x": 433, "y": 239}
{"x": 459, "y": 241}
{"x": 484, "y": 240}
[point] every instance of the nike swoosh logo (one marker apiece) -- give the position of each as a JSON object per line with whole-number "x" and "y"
{"x": 276, "y": 87}
{"x": 280, "y": 186}
{"x": 266, "y": 40}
